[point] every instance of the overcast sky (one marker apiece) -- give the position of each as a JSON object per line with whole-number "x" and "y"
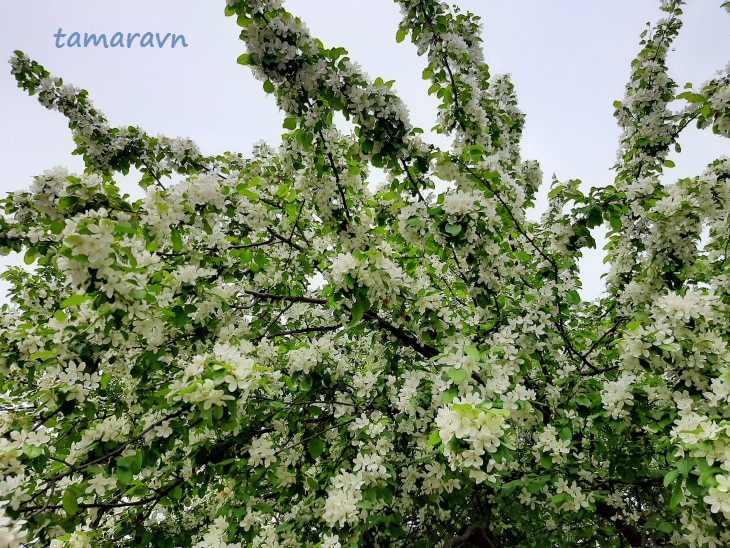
{"x": 569, "y": 60}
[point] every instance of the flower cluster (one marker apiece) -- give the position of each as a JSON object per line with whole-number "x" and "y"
{"x": 479, "y": 427}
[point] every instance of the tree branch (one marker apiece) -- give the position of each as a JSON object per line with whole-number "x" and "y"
{"x": 628, "y": 531}
{"x": 289, "y": 298}
{"x": 474, "y": 535}
{"x": 423, "y": 349}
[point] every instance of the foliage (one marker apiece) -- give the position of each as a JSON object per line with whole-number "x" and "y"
{"x": 271, "y": 352}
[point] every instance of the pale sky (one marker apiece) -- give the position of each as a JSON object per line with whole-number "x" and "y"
{"x": 569, "y": 60}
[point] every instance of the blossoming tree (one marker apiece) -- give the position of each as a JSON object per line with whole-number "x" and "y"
{"x": 270, "y": 352}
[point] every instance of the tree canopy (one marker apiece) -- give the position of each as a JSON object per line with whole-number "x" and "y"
{"x": 271, "y": 351}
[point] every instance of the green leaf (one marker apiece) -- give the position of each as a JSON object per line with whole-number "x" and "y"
{"x": 138, "y": 294}
{"x": 677, "y": 495}
{"x": 685, "y": 466}
{"x": 244, "y": 59}
{"x": 594, "y": 217}
{"x": 70, "y": 499}
{"x": 566, "y": 434}
{"x": 453, "y": 229}
{"x": 42, "y": 355}
{"x": 434, "y": 438}
{"x": 457, "y": 375}
{"x": 262, "y": 506}
{"x": 125, "y": 476}
{"x": 290, "y": 123}
{"x": 449, "y": 396}
{"x": 499, "y": 411}
{"x": 560, "y": 498}
{"x": 74, "y": 240}
{"x": 473, "y": 352}
{"x": 57, "y": 226}
{"x": 32, "y": 451}
{"x": 546, "y": 462}
{"x": 126, "y": 462}
{"x": 305, "y": 385}
{"x": 282, "y": 191}
{"x": 507, "y": 444}
{"x": 670, "y": 477}
{"x": 359, "y": 307}
{"x": 67, "y": 202}
{"x": 243, "y": 190}
{"x": 708, "y": 478}
{"x": 692, "y": 485}
{"x": 176, "y": 241}
{"x": 401, "y": 34}
{"x": 105, "y": 378}
{"x": 147, "y": 180}
{"x": 315, "y": 447}
{"x": 217, "y": 412}
{"x": 73, "y": 300}
{"x": 691, "y": 97}
{"x": 268, "y": 86}
{"x": 615, "y": 222}
{"x": 573, "y": 297}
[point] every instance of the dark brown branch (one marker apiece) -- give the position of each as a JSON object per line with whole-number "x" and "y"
{"x": 275, "y": 320}
{"x": 154, "y": 175}
{"x": 48, "y": 502}
{"x": 288, "y": 298}
{"x": 270, "y": 203}
{"x": 296, "y": 221}
{"x": 452, "y": 80}
{"x": 602, "y": 337}
{"x": 475, "y": 535}
{"x": 413, "y": 182}
{"x": 106, "y": 506}
{"x": 554, "y": 266}
{"x": 337, "y": 179}
{"x": 286, "y": 240}
{"x": 331, "y": 159}
{"x": 599, "y": 371}
{"x": 91, "y": 505}
{"x": 627, "y": 531}
{"x": 215, "y": 250}
{"x": 48, "y": 417}
{"x": 118, "y": 449}
{"x": 423, "y": 349}
{"x": 302, "y": 330}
